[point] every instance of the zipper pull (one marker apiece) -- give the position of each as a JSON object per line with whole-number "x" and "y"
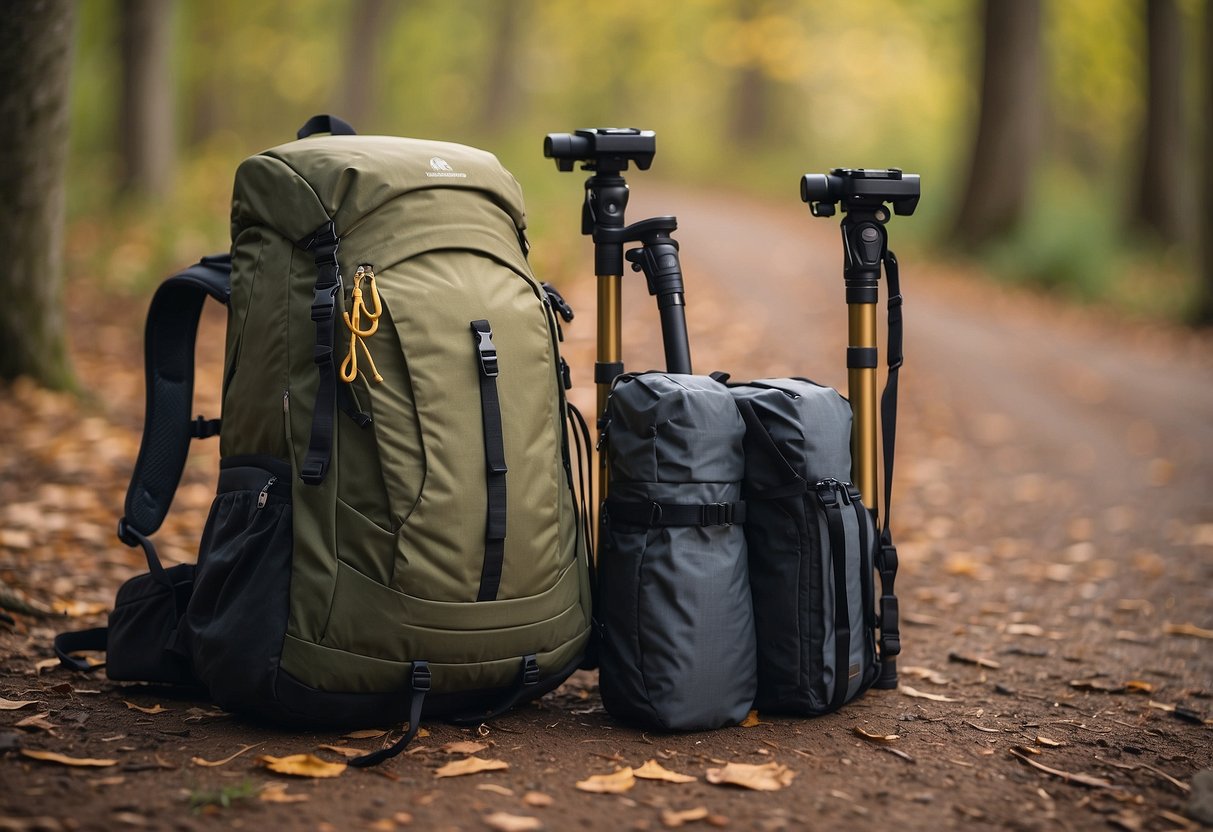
{"x": 264, "y": 496}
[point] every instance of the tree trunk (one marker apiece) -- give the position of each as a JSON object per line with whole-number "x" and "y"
{"x": 1009, "y": 126}
{"x": 145, "y": 127}
{"x": 1161, "y": 191}
{"x": 1204, "y": 307}
{"x": 35, "y": 62}
{"x": 358, "y": 94}
{"x": 750, "y": 111}
{"x": 501, "y": 84}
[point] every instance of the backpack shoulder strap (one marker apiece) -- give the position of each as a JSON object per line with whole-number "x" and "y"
{"x": 169, "y": 337}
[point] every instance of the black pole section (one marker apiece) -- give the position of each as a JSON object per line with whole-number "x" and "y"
{"x": 602, "y": 218}
{"x": 658, "y": 259}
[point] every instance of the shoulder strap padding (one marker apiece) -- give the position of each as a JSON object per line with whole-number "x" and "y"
{"x": 172, "y": 327}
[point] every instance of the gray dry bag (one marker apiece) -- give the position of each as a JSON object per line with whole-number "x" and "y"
{"x": 676, "y": 621}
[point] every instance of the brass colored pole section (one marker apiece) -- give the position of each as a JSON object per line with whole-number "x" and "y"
{"x": 861, "y": 388}
{"x": 610, "y": 351}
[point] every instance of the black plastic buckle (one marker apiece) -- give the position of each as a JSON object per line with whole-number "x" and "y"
{"x": 126, "y": 534}
{"x": 530, "y": 671}
{"x": 323, "y": 302}
{"x": 202, "y": 428}
{"x": 716, "y": 514}
{"x": 558, "y": 302}
{"x": 827, "y": 493}
{"x": 487, "y": 351}
{"x": 420, "y": 680}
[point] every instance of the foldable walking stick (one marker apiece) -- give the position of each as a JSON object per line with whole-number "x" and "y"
{"x": 864, "y": 196}
{"x": 606, "y": 153}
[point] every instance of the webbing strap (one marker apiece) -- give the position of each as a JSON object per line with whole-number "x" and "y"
{"x": 842, "y": 616}
{"x": 886, "y": 563}
{"x": 419, "y": 682}
{"x": 655, "y": 515}
{"x": 494, "y": 458}
{"x": 323, "y": 245}
{"x": 168, "y": 353}
{"x": 67, "y": 643}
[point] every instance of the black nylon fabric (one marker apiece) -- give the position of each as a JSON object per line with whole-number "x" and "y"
{"x": 676, "y": 618}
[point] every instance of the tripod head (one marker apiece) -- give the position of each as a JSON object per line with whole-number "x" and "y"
{"x": 860, "y": 189}
{"x": 606, "y": 150}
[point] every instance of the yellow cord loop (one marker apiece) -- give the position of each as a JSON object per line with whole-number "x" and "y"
{"x": 353, "y": 322}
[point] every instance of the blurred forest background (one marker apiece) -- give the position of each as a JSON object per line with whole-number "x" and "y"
{"x": 1064, "y": 143}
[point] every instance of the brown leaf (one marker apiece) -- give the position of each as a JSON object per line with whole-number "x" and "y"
{"x": 917, "y": 694}
{"x": 276, "y": 793}
{"x": 344, "y": 750}
{"x": 155, "y": 709}
{"x": 674, "y": 819}
{"x": 1080, "y": 779}
{"x": 37, "y": 721}
{"x": 925, "y": 673}
{"x": 1186, "y": 630}
{"x": 505, "y": 822}
{"x": 61, "y": 759}
{"x": 464, "y": 747}
{"x": 876, "y": 737}
{"x": 301, "y": 765}
{"x": 14, "y": 704}
{"x": 960, "y": 658}
{"x": 653, "y": 770}
{"x": 765, "y": 778}
{"x": 198, "y": 761}
{"x": 1048, "y": 743}
{"x": 1097, "y": 686}
{"x": 751, "y": 719}
{"x": 617, "y": 782}
{"x": 1138, "y": 686}
{"x": 1033, "y": 630}
{"x": 367, "y": 734}
{"x": 470, "y": 765}
{"x": 537, "y": 799}
{"x": 45, "y": 664}
{"x": 78, "y": 609}
{"x": 495, "y": 789}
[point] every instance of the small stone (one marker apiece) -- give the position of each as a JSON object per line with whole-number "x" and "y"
{"x": 1200, "y": 801}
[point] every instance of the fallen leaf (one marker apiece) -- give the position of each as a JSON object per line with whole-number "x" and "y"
{"x": 78, "y": 609}
{"x": 45, "y": 664}
{"x": 301, "y": 765}
{"x": 495, "y": 789}
{"x": 653, "y": 770}
{"x": 52, "y": 757}
{"x": 116, "y": 780}
{"x": 1138, "y": 686}
{"x": 537, "y": 799}
{"x": 917, "y": 694}
{"x": 343, "y": 750}
{"x": 765, "y": 778}
{"x": 155, "y": 709}
{"x": 402, "y": 818}
{"x": 925, "y": 673}
{"x": 13, "y": 704}
{"x": 470, "y": 765}
{"x": 198, "y": 761}
{"x": 367, "y": 734}
{"x": 1081, "y": 779}
{"x": 276, "y": 793}
{"x": 617, "y": 782}
{"x": 876, "y": 737}
{"x": 1048, "y": 743}
{"x": 674, "y": 819}
{"x": 505, "y": 822}
{"x": 1186, "y": 630}
{"x": 1033, "y": 630}
{"x": 751, "y": 719}
{"x": 37, "y": 721}
{"x": 464, "y": 747}
{"x": 960, "y": 658}
{"x": 1096, "y": 686}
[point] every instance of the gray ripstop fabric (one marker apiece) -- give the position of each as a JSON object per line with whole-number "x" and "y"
{"x": 677, "y": 624}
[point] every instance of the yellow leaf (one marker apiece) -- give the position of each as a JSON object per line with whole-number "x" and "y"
{"x": 1187, "y": 630}
{"x": 368, "y": 734}
{"x": 505, "y": 822}
{"x": 877, "y": 737}
{"x": 155, "y": 709}
{"x": 13, "y": 704}
{"x": 198, "y": 761}
{"x": 464, "y": 747}
{"x": 45, "y": 664}
{"x": 343, "y": 750}
{"x": 470, "y": 765}
{"x": 617, "y": 782}
{"x": 1138, "y": 686}
{"x": 537, "y": 799}
{"x": 770, "y": 777}
{"x": 52, "y": 757}
{"x": 673, "y": 819}
{"x": 917, "y": 694}
{"x": 1048, "y": 743}
{"x": 301, "y": 765}
{"x": 653, "y": 770}
{"x": 76, "y": 609}
{"x": 495, "y": 789}
{"x": 276, "y": 793}
{"x": 751, "y": 719}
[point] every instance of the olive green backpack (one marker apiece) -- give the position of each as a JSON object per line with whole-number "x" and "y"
{"x": 395, "y": 532}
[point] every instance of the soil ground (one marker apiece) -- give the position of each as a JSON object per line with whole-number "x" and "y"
{"x": 1054, "y": 523}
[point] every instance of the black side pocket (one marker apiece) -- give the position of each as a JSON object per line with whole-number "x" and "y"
{"x": 237, "y": 616}
{"x": 143, "y": 641}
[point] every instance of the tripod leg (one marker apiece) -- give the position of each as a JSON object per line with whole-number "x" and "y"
{"x": 610, "y": 354}
{"x": 861, "y": 384}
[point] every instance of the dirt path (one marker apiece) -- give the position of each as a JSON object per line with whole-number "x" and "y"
{"x": 1053, "y": 517}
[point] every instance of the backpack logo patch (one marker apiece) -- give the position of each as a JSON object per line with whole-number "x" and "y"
{"x": 441, "y": 168}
